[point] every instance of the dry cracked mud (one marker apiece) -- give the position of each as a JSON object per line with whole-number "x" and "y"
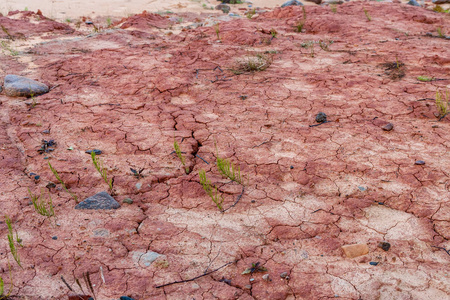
{"x": 132, "y": 89}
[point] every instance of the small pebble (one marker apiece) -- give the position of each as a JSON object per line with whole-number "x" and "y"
{"x": 321, "y": 117}
{"x": 54, "y": 237}
{"x": 292, "y": 167}
{"x": 435, "y": 126}
{"x": 253, "y": 201}
{"x": 37, "y": 177}
{"x": 128, "y": 200}
{"x": 384, "y": 245}
{"x": 252, "y": 279}
{"x": 374, "y": 263}
{"x": 284, "y": 275}
{"x": 126, "y": 298}
{"x": 388, "y": 127}
{"x": 265, "y": 277}
{"x": 46, "y": 131}
{"x": 89, "y": 22}
{"x": 96, "y": 151}
{"x": 419, "y": 162}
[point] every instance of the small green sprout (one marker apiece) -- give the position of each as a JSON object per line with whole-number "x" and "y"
{"x": 2, "y": 285}
{"x": 180, "y": 156}
{"x": 301, "y": 22}
{"x": 229, "y": 170}
{"x": 40, "y": 205}
{"x": 369, "y": 18}
{"x": 98, "y": 164}
{"x": 62, "y": 182}
{"x": 424, "y": 78}
{"x": 442, "y": 103}
{"x": 212, "y": 192}
{"x": 217, "y": 29}
{"x": 12, "y": 245}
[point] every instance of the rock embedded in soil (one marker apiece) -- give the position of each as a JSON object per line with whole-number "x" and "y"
{"x": 291, "y": 3}
{"x": 441, "y": 1}
{"x": 388, "y": 127}
{"x": 355, "y": 250}
{"x": 419, "y": 162}
{"x": 96, "y": 151}
{"x": 101, "y": 200}
{"x": 413, "y": 3}
{"x": 125, "y": 298}
{"x": 315, "y": 1}
{"x": 384, "y": 245}
{"x": 19, "y": 86}
{"x": 224, "y": 8}
{"x": 321, "y": 117}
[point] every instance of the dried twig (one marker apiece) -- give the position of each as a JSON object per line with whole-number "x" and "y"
{"x": 442, "y": 248}
{"x": 197, "y": 277}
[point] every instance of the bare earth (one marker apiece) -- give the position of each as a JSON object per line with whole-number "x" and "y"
{"x": 132, "y": 88}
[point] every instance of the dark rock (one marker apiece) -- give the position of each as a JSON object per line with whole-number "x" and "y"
{"x": 441, "y": 1}
{"x": 284, "y": 275}
{"x": 373, "y": 263}
{"x": 126, "y": 298}
{"x": 413, "y": 3}
{"x": 419, "y": 162}
{"x": 384, "y": 245}
{"x": 128, "y": 200}
{"x": 224, "y": 8}
{"x": 18, "y": 86}
{"x": 321, "y": 117}
{"x": 388, "y": 127}
{"x": 315, "y": 1}
{"x": 291, "y": 3}
{"x": 101, "y": 200}
{"x": 96, "y": 151}
{"x": 54, "y": 237}
{"x": 73, "y": 296}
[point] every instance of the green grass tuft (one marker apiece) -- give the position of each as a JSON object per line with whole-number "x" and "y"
{"x": 62, "y": 182}
{"x": 40, "y": 205}
{"x": 11, "y": 242}
{"x": 98, "y": 164}
{"x": 212, "y": 191}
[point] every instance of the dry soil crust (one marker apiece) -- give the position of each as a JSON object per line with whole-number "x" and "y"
{"x": 130, "y": 90}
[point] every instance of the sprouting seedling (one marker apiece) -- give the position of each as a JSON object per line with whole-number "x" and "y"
{"x": 251, "y": 13}
{"x": 176, "y": 146}
{"x": 310, "y": 45}
{"x": 217, "y": 29}
{"x": 325, "y": 46}
{"x": 274, "y": 33}
{"x": 12, "y": 245}
{"x": 212, "y": 192}
{"x": 301, "y": 22}
{"x": 442, "y": 103}
{"x": 440, "y": 32}
{"x": 62, "y": 182}
{"x": 369, "y": 18}
{"x": 98, "y": 164}
{"x": 41, "y": 206}
{"x": 425, "y": 78}
{"x": 2, "y": 285}
{"x": 254, "y": 268}
{"x": 229, "y": 170}
{"x": 137, "y": 173}
{"x": 333, "y": 8}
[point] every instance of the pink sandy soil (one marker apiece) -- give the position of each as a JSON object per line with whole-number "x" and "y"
{"x": 131, "y": 89}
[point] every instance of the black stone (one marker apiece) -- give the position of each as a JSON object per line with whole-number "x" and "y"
{"x": 96, "y": 151}
{"x": 101, "y": 200}
{"x": 384, "y": 245}
{"x": 291, "y": 3}
{"x": 321, "y": 117}
{"x": 126, "y": 298}
{"x": 18, "y": 86}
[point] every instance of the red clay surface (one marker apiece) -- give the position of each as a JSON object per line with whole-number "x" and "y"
{"x": 310, "y": 190}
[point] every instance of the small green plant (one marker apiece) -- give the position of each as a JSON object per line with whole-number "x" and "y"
{"x": 212, "y": 191}
{"x": 255, "y": 63}
{"x": 439, "y": 9}
{"x": 62, "y": 182}
{"x": 333, "y": 8}
{"x": 310, "y": 45}
{"x": 5, "y": 45}
{"x": 369, "y": 18}
{"x": 229, "y": 170}
{"x": 11, "y": 242}
{"x": 217, "y": 29}
{"x": 440, "y": 32}
{"x": 68, "y": 20}
{"x": 41, "y": 206}
{"x": 98, "y": 164}
{"x": 2, "y": 285}
{"x": 250, "y": 13}
{"x": 273, "y": 32}
{"x": 108, "y": 22}
{"x": 301, "y": 22}
{"x": 26, "y": 8}
{"x": 180, "y": 156}
{"x": 442, "y": 103}
{"x": 424, "y": 78}
{"x": 325, "y": 46}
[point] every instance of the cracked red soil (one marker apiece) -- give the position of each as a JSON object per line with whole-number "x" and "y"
{"x": 130, "y": 90}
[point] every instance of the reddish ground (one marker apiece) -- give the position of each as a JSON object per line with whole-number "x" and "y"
{"x": 129, "y": 91}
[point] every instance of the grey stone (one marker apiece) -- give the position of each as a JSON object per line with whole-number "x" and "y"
{"x": 388, "y": 127}
{"x": 413, "y": 3}
{"x": 419, "y": 162}
{"x": 321, "y": 117}
{"x": 101, "y": 200}
{"x": 149, "y": 257}
{"x": 291, "y": 3}
{"x": 18, "y": 86}
{"x": 224, "y": 8}
{"x": 441, "y": 1}
{"x": 315, "y": 1}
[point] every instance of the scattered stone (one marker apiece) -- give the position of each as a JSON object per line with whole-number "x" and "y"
{"x": 355, "y": 250}
{"x": 266, "y": 277}
{"x": 126, "y": 298}
{"x": 362, "y": 189}
{"x": 315, "y": 1}
{"x": 388, "y": 127}
{"x": 101, "y": 200}
{"x": 291, "y": 167}
{"x": 18, "y": 86}
{"x": 384, "y": 245}
{"x": 291, "y": 3}
{"x": 413, "y": 3}
{"x": 96, "y": 151}
{"x": 284, "y": 275}
{"x": 224, "y": 8}
{"x": 128, "y": 200}
{"x": 373, "y": 263}
{"x": 149, "y": 257}
{"x": 321, "y": 117}
{"x": 419, "y": 162}
{"x": 54, "y": 237}
{"x": 73, "y": 296}
{"x": 441, "y": 1}
{"x": 252, "y": 279}
{"x": 248, "y": 287}
{"x": 328, "y": 2}
{"x": 435, "y": 126}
